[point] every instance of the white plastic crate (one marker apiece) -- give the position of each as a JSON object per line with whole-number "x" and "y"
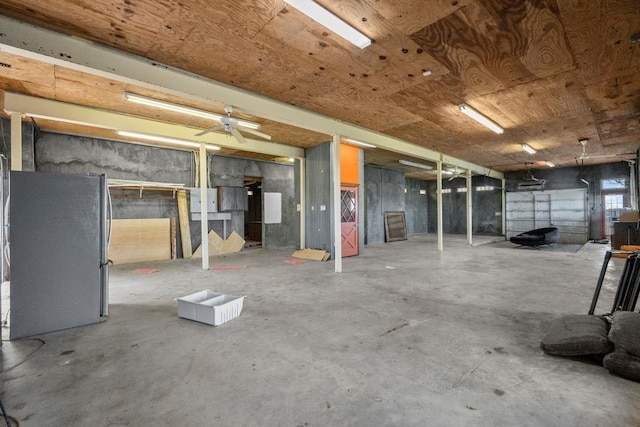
{"x": 210, "y": 307}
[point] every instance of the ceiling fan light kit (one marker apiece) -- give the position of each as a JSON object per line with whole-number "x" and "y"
{"x": 172, "y": 141}
{"x": 529, "y": 149}
{"x": 480, "y": 118}
{"x": 150, "y": 102}
{"x": 323, "y": 17}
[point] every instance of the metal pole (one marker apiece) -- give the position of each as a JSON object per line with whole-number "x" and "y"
{"x": 303, "y": 195}
{"x": 16, "y": 141}
{"x": 204, "y": 217}
{"x": 439, "y": 206}
{"x": 504, "y": 207}
{"x": 469, "y": 210}
{"x": 337, "y": 229}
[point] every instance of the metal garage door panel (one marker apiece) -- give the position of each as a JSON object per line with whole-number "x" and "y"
{"x": 565, "y": 209}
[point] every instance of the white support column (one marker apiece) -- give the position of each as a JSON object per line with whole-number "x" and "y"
{"x": 204, "y": 217}
{"x": 469, "y": 210}
{"x": 337, "y": 229}
{"x": 439, "y": 206}
{"x": 504, "y": 207}
{"x": 303, "y": 195}
{"x": 16, "y": 141}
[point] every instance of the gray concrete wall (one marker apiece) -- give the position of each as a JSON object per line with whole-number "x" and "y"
{"x": 486, "y": 207}
{"x": 28, "y": 164}
{"x": 416, "y": 206}
{"x": 318, "y": 193}
{"x": 28, "y": 140}
{"x": 385, "y": 192}
{"x": 79, "y": 155}
{"x": 276, "y": 178}
{"x": 571, "y": 178}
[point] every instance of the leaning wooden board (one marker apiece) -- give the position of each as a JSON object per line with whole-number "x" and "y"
{"x": 138, "y": 240}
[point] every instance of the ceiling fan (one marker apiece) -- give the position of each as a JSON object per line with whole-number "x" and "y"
{"x": 234, "y": 126}
{"x": 583, "y": 155}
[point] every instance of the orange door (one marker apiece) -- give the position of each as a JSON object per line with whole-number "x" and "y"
{"x": 349, "y": 219}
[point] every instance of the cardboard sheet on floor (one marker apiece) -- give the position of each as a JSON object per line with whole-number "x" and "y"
{"x": 312, "y": 254}
{"x": 218, "y": 246}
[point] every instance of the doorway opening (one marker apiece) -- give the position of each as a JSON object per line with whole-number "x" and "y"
{"x": 253, "y": 215}
{"x": 614, "y": 200}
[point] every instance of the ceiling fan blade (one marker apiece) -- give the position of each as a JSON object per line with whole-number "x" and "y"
{"x": 255, "y": 132}
{"x": 238, "y": 136}
{"x": 213, "y": 129}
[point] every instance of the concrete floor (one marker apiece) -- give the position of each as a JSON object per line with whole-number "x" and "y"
{"x": 405, "y": 336}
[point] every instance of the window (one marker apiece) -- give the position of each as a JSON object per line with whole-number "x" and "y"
{"x": 485, "y": 188}
{"x": 613, "y": 201}
{"x": 614, "y": 184}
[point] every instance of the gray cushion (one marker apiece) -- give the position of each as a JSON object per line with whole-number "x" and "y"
{"x": 623, "y": 364}
{"x": 577, "y": 335}
{"x": 625, "y": 332}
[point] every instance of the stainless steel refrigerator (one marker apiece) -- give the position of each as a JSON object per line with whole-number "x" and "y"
{"x": 58, "y": 240}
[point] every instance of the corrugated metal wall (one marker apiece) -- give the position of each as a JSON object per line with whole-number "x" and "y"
{"x": 318, "y": 215}
{"x": 416, "y": 206}
{"x": 385, "y": 192}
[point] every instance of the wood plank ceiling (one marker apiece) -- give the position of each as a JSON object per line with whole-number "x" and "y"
{"x": 549, "y": 71}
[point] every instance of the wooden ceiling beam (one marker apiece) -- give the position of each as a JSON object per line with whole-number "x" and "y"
{"x": 23, "y": 39}
{"x": 87, "y": 116}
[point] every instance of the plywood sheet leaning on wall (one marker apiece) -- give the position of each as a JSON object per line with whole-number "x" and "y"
{"x": 138, "y": 240}
{"x": 218, "y": 246}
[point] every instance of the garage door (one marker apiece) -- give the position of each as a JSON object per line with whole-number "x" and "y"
{"x": 565, "y": 209}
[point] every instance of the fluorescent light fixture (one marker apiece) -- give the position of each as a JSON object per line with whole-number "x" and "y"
{"x": 423, "y": 192}
{"x": 528, "y": 149}
{"x": 291, "y": 160}
{"x": 173, "y": 141}
{"x": 480, "y": 118}
{"x": 150, "y": 102}
{"x": 360, "y": 143}
{"x": 550, "y": 164}
{"x": 322, "y": 16}
{"x": 415, "y": 165}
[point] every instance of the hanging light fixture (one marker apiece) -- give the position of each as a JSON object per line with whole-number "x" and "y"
{"x": 169, "y": 106}
{"x": 359, "y": 143}
{"x": 480, "y": 118}
{"x": 323, "y": 17}
{"x": 172, "y": 141}
{"x": 415, "y": 165}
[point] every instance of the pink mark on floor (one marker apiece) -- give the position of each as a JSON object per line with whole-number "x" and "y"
{"x": 146, "y": 270}
{"x": 228, "y": 267}
{"x": 294, "y": 261}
